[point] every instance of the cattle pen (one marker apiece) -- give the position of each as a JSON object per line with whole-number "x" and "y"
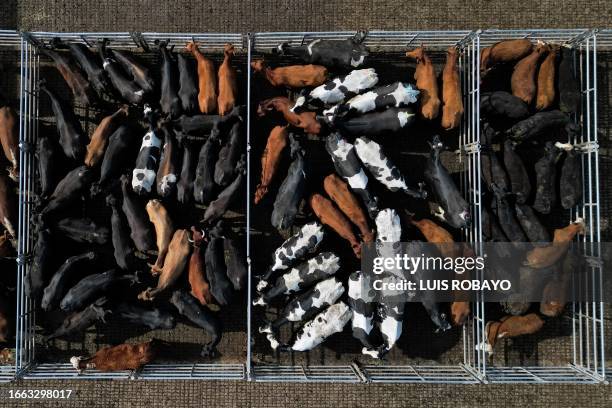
{"x": 572, "y": 351}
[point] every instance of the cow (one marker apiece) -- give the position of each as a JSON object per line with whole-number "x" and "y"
{"x": 40, "y": 270}
{"x": 153, "y": 318}
{"x": 147, "y": 162}
{"x": 523, "y": 79}
{"x": 71, "y": 136}
{"x": 453, "y": 208}
{"x": 363, "y": 307}
{"x": 570, "y": 181}
{"x": 305, "y": 306}
{"x": 140, "y": 73}
{"x": 55, "y": 290}
{"x": 228, "y": 196}
{"x": 339, "y": 89}
{"x": 538, "y": 124}
{"x": 372, "y": 156}
{"x": 99, "y": 139}
{"x": 77, "y": 323}
{"x": 270, "y": 160}
{"x": 545, "y": 256}
{"x": 389, "y": 121}
{"x": 546, "y": 83}
{"x": 227, "y": 82}
{"x": 216, "y": 268}
{"x": 452, "y": 102}
{"x": 520, "y": 185}
{"x": 128, "y": 89}
{"x": 531, "y": 225}
{"x": 509, "y": 327}
{"x": 174, "y": 265}
{"x": 120, "y": 234}
{"x": 570, "y": 97}
{"x": 502, "y": 106}
{"x": 188, "y": 85}
{"x": 301, "y": 277}
{"x": 292, "y": 76}
{"x": 306, "y": 241}
{"x": 226, "y": 167}
{"x": 164, "y": 231}
{"x": 9, "y": 213}
{"x": 505, "y": 51}
{"x": 189, "y": 307}
{"x": 546, "y": 177}
{"x": 292, "y": 189}
{"x": 9, "y": 138}
{"x": 170, "y": 102}
{"x": 305, "y": 120}
{"x": 140, "y": 228}
{"x": 426, "y": 82}
{"x": 396, "y": 95}
{"x": 184, "y": 188}
{"x": 168, "y": 171}
{"x": 200, "y": 288}
{"x": 87, "y": 289}
{"x": 234, "y": 260}
{"x": 207, "y": 80}
{"x": 68, "y": 190}
{"x": 49, "y": 156}
{"x": 329, "y": 215}
{"x": 349, "y": 167}
{"x": 91, "y": 65}
{"x": 115, "y": 157}
{"x": 117, "y": 358}
{"x": 347, "y": 54}
{"x": 204, "y": 183}
{"x": 339, "y": 192}
{"x": 330, "y": 321}
{"x": 506, "y": 215}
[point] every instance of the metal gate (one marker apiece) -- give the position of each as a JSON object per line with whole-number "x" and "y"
{"x": 466, "y": 365}
{"x": 34, "y": 361}
{"x": 576, "y": 355}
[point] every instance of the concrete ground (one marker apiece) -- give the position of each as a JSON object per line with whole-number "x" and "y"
{"x": 265, "y": 15}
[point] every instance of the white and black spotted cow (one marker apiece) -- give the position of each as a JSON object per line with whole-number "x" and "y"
{"x": 307, "y": 305}
{"x": 349, "y": 167}
{"x": 296, "y": 247}
{"x": 363, "y": 306}
{"x": 302, "y": 276}
{"x": 394, "y": 95}
{"x": 391, "y": 317}
{"x": 349, "y": 53}
{"x": 147, "y": 162}
{"x": 332, "y": 320}
{"x": 339, "y": 89}
{"x": 381, "y": 123}
{"x": 452, "y": 207}
{"x": 372, "y": 156}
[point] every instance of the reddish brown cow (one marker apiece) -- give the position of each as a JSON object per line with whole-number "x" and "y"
{"x": 207, "y": 80}
{"x": 333, "y": 218}
{"x": 340, "y": 194}
{"x": 545, "y": 256}
{"x": 99, "y": 139}
{"x": 452, "y": 107}
{"x": 270, "y": 159}
{"x": 546, "y": 80}
{"x": 426, "y": 82}
{"x": 511, "y": 326}
{"x": 293, "y": 76}
{"x": 200, "y": 288}
{"x": 117, "y": 358}
{"x": 9, "y": 137}
{"x": 281, "y": 104}
{"x": 227, "y": 82}
{"x": 505, "y": 51}
{"x": 523, "y": 79}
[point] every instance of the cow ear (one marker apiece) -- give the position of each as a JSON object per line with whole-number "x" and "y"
{"x": 502, "y": 335}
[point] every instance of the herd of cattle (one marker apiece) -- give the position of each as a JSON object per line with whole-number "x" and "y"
{"x": 134, "y": 193}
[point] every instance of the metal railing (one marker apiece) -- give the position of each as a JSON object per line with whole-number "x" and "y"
{"x": 29, "y": 351}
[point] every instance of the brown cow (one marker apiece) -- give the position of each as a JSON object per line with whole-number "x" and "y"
{"x": 554, "y": 293}
{"x": 426, "y": 82}
{"x": 6, "y": 325}
{"x": 293, "y": 76}
{"x": 8, "y": 205}
{"x": 545, "y": 256}
{"x": 511, "y": 326}
{"x": 164, "y": 229}
{"x": 452, "y": 102}
{"x": 270, "y": 159}
{"x": 207, "y": 80}
{"x": 227, "y": 82}
{"x": 333, "y": 218}
{"x": 523, "y": 79}
{"x": 340, "y": 194}
{"x": 99, "y": 139}
{"x": 174, "y": 265}
{"x": 6, "y": 246}
{"x": 117, "y": 358}
{"x": 282, "y": 104}
{"x": 546, "y": 80}
{"x": 505, "y": 51}
{"x": 9, "y": 137}
{"x": 200, "y": 288}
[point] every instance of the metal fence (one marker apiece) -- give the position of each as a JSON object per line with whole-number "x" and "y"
{"x": 10, "y": 48}
{"x": 576, "y": 352}
{"x": 465, "y": 364}
{"x": 37, "y": 361}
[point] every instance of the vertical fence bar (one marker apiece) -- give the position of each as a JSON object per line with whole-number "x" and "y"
{"x": 248, "y": 207}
